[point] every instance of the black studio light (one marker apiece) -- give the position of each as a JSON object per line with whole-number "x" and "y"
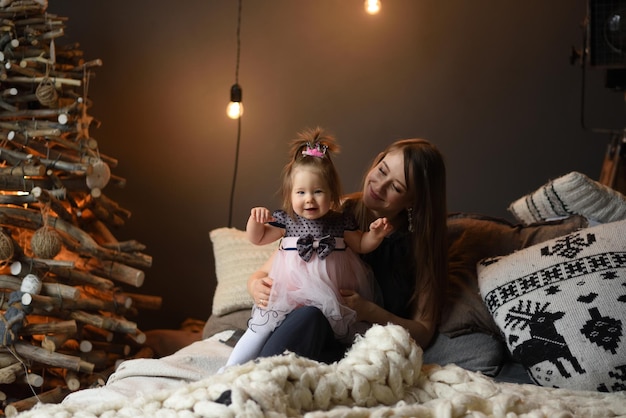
{"x": 607, "y": 33}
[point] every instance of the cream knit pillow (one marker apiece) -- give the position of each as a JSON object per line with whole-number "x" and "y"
{"x": 573, "y": 193}
{"x": 561, "y": 306}
{"x": 236, "y": 259}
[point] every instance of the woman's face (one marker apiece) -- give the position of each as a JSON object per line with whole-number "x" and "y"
{"x": 386, "y": 191}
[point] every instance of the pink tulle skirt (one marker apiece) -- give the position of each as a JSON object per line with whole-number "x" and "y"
{"x": 315, "y": 283}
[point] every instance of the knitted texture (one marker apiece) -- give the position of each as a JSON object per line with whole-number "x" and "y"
{"x": 236, "y": 259}
{"x": 382, "y": 375}
{"x": 561, "y": 306}
{"x": 573, "y": 193}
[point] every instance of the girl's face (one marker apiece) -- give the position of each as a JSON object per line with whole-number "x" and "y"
{"x": 386, "y": 192}
{"x": 310, "y": 195}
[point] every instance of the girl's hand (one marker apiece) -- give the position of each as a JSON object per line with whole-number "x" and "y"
{"x": 361, "y": 306}
{"x": 260, "y": 290}
{"x": 261, "y": 215}
{"x": 381, "y": 227}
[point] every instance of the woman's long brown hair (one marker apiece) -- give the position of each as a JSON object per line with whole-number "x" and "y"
{"x": 425, "y": 171}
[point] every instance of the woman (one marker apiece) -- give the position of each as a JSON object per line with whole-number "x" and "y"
{"x": 407, "y": 185}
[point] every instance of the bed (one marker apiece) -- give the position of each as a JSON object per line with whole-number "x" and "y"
{"x": 536, "y": 285}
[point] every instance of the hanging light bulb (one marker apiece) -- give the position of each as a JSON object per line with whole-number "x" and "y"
{"x": 372, "y": 6}
{"x": 234, "y": 110}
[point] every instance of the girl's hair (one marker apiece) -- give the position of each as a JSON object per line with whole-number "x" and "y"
{"x": 425, "y": 171}
{"x": 312, "y": 148}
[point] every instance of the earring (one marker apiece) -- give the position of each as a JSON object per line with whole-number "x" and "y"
{"x": 409, "y": 213}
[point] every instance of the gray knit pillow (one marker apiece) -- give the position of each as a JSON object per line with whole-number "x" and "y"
{"x": 573, "y": 193}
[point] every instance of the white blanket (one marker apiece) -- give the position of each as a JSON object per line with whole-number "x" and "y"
{"x": 382, "y": 375}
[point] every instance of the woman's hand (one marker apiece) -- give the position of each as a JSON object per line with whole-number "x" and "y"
{"x": 259, "y": 288}
{"x": 361, "y": 306}
{"x": 422, "y": 330}
{"x": 260, "y": 283}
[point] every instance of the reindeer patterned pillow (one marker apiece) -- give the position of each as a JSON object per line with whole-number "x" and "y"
{"x": 561, "y": 306}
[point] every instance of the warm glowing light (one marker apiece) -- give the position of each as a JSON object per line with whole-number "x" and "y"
{"x": 235, "y": 107}
{"x": 372, "y": 6}
{"x": 234, "y": 110}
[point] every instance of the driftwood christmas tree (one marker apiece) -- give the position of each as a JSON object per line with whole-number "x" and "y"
{"x": 63, "y": 310}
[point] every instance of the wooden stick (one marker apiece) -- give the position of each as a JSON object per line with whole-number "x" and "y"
{"x": 26, "y": 265}
{"x": 101, "y": 233}
{"x": 108, "y": 323}
{"x": 10, "y": 282}
{"x": 16, "y": 199}
{"x": 55, "y": 395}
{"x": 36, "y": 113}
{"x": 100, "y": 359}
{"x": 60, "y": 290}
{"x": 95, "y": 333}
{"x": 72, "y": 380}
{"x": 46, "y": 197}
{"x": 52, "y": 304}
{"x": 85, "y": 243}
{"x": 43, "y": 356}
{"x": 112, "y": 206}
{"x": 126, "y": 246}
{"x": 23, "y": 170}
{"x": 8, "y": 374}
{"x": 121, "y": 349}
{"x": 6, "y": 359}
{"x": 55, "y": 341}
{"x": 62, "y": 377}
{"x": 69, "y": 167}
{"x": 90, "y": 304}
{"x": 73, "y": 344}
{"x": 58, "y": 82}
{"x": 80, "y": 277}
{"x": 116, "y": 271}
{"x": 99, "y": 212}
{"x": 54, "y": 327}
{"x": 137, "y": 337}
{"x": 118, "y": 298}
{"x": 14, "y": 183}
{"x": 31, "y": 379}
{"x": 146, "y": 301}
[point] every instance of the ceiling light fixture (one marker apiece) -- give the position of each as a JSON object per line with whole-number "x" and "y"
{"x": 372, "y": 6}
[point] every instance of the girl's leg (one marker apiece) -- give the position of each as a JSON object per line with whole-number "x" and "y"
{"x": 248, "y": 346}
{"x": 306, "y": 332}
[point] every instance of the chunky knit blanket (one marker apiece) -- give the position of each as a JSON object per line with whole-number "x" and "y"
{"x": 381, "y": 376}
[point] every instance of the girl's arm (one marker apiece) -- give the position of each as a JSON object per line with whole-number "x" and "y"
{"x": 365, "y": 242}
{"x": 257, "y": 229}
{"x": 420, "y": 328}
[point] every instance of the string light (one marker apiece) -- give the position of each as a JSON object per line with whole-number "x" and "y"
{"x": 236, "y": 107}
{"x": 372, "y": 6}
{"x": 234, "y": 110}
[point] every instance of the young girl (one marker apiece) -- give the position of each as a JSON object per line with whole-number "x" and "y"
{"x": 316, "y": 256}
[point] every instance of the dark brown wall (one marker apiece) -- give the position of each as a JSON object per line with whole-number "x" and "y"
{"x": 489, "y": 82}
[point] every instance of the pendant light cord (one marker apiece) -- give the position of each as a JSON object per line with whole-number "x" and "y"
{"x": 232, "y": 190}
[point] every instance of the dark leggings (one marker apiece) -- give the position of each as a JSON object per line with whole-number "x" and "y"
{"x": 306, "y": 332}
